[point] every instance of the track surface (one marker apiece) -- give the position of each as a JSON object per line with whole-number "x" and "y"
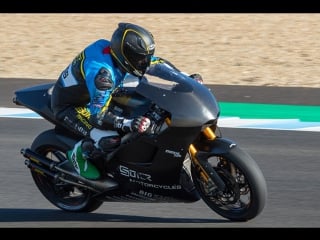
{"x": 288, "y": 159}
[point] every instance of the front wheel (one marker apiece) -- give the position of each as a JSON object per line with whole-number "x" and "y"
{"x": 246, "y": 191}
{"x": 62, "y": 194}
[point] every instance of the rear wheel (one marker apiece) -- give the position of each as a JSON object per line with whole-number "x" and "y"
{"x": 63, "y": 195}
{"x": 246, "y": 191}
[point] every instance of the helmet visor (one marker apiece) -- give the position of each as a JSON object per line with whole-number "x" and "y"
{"x": 138, "y": 61}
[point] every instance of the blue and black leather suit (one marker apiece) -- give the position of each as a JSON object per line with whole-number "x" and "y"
{"x": 84, "y": 89}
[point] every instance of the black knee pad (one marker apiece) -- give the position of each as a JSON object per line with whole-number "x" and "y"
{"x": 108, "y": 144}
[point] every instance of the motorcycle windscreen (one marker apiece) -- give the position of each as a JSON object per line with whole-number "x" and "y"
{"x": 189, "y": 102}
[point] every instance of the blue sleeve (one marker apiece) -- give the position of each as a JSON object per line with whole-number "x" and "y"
{"x": 98, "y": 98}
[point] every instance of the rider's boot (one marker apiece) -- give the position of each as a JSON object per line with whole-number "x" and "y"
{"x": 80, "y": 159}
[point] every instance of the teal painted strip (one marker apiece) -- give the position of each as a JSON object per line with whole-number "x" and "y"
{"x": 270, "y": 111}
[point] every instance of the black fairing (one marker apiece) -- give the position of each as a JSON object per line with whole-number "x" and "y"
{"x": 190, "y": 103}
{"x": 151, "y": 163}
{"x": 38, "y": 99}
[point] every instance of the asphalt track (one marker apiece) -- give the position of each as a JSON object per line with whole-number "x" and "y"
{"x": 288, "y": 159}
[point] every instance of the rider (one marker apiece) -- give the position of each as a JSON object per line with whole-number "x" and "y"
{"x": 81, "y": 96}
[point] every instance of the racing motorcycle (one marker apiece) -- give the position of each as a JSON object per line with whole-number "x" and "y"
{"x": 182, "y": 157}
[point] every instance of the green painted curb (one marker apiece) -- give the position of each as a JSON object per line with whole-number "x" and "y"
{"x": 270, "y": 111}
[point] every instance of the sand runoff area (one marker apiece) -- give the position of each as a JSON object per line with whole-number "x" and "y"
{"x": 230, "y": 49}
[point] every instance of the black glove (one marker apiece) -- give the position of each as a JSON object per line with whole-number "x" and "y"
{"x": 139, "y": 124}
{"x": 197, "y": 77}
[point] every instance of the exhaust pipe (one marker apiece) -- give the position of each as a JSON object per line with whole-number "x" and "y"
{"x": 37, "y": 158}
{"x": 32, "y": 165}
{"x": 33, "y": 160}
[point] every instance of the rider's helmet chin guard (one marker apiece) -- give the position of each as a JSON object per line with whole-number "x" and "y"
{"x": 132, "y": 48}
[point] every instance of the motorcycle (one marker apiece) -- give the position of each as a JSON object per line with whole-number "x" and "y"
{"x": 182, "y": 157}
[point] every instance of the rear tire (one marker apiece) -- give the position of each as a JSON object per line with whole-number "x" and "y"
{"x": 63, "y": 195}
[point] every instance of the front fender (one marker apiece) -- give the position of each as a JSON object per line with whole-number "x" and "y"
{"x": 216, "y": 147}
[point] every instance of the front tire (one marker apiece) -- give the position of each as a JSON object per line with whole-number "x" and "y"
{"x": 246, "y": 189}
{"x": 61, "y": 194}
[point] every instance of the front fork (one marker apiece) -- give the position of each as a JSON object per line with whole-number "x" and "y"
{"x": 207, "y": 172}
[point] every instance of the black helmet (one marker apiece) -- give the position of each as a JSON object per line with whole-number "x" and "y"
{"x": 132, "y": 47}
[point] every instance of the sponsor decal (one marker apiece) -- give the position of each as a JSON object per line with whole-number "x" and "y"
{"x": 157, "y": 186}
{"x": 74, "y": 162}
{"x": 127, "y": 172}
{"x": 175, "y": 154}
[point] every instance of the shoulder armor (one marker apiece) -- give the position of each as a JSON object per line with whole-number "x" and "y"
{"x": 103, "y": 80}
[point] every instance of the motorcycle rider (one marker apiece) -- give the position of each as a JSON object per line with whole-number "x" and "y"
{"x": 81, "y": 95}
